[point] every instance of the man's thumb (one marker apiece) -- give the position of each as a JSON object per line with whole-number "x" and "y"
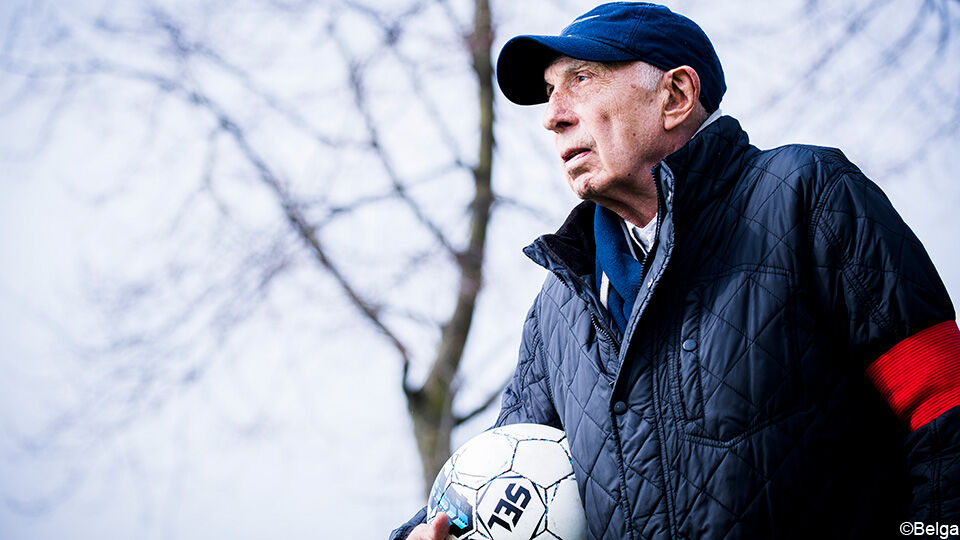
{"x": 440, "y": 526}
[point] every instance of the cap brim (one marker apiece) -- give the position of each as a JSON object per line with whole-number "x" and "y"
{"x": 523, "y": 60}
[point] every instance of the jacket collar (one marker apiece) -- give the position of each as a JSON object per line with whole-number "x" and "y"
{"x": 572, "y": 246}
{"x": 707, "y": 166}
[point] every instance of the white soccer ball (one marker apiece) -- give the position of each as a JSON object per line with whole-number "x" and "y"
{"x": 511, "y": 483}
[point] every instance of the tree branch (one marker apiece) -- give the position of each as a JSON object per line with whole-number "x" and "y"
{"x": 491, "y": 400}
{"x": 291, "y": 210}
{"x": 854, "y": 26}
{"x": 185, "y": 49}
{"x": 393, "y": 31}
{"x": 360, "y": 101}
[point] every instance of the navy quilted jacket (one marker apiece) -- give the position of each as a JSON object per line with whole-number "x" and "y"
{"x": 735, "y": 405}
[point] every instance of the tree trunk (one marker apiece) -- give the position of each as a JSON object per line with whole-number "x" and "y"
{"x": 431, "y": 406}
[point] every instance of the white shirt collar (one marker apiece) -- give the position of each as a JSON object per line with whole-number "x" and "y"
{"x": 644, "y": 236}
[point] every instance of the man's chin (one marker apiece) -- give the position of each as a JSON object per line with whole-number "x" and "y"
{"x": 581, "y": 185}
{"x": 584, "y": 190}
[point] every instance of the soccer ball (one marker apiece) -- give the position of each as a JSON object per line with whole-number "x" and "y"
{"x": 510, "y": 483}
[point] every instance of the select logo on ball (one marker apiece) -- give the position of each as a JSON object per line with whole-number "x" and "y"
{"x": 506, "y": 502}
{"x": 519, "y": 496}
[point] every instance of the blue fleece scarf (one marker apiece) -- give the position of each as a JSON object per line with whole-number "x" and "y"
{"x": 614, "y": 259}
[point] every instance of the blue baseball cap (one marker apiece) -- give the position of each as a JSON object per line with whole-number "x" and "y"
{"x": 613, "y": 32}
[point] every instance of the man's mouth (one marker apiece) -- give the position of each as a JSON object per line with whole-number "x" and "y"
{"x": 573, "y": 153}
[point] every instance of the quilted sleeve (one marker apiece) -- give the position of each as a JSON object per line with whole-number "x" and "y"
{"x": 528, "y": 396}
{"x": 934, "y": 451}
{"x": 875, "y": 279}
{"x": 401, "y": 532}
{"x": 888, "y": 305}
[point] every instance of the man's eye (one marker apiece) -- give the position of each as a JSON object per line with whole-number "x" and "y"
{"x": 581, "y": 78}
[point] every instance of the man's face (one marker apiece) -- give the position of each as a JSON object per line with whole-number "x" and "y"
{"x": 607, "y": 126}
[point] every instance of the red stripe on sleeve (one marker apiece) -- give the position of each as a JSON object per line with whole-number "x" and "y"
{"x": 920, "y": 376}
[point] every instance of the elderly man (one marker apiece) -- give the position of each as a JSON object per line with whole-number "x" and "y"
{"x": 739, "y": 343}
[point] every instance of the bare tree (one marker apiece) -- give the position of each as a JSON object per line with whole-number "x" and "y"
{"x": 187, "y": 68}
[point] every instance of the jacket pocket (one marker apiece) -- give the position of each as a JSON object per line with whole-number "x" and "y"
{"x": 736, "y": 354}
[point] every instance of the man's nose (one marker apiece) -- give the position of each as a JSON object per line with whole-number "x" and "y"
{"x": 557, "y": 115}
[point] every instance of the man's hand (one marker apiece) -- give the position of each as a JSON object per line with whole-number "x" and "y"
{"x": 435, "y": 530}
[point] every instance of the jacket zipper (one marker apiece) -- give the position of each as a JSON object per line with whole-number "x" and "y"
{"x": 611, "y": 380}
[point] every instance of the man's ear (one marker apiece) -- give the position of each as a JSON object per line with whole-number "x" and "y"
{"x": 683, "y": 91}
